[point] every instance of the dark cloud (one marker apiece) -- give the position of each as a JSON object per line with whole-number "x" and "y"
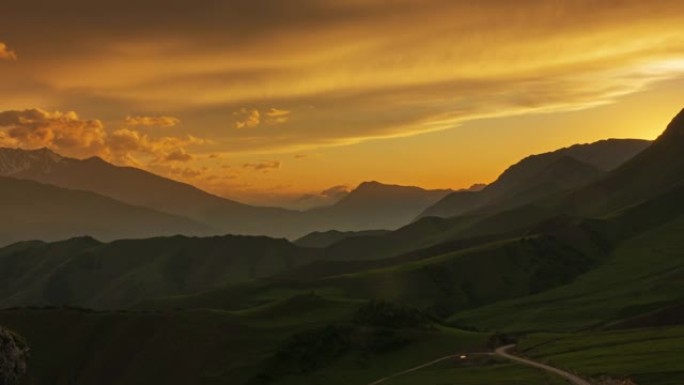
{"x": 336, "y": 192}
{"x": 326, "y": 197}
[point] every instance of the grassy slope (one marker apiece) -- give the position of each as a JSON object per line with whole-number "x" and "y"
{"x": 359, "y": 369}
{"x": 73, "y": 347}
{"x": 172, "y": 347}
{"x": 471, "y": 277}
{"x": 199, "y": 347}
{"x": 648, "y": 356}
{"x": 82, "y": 272}
{"x": 485, "y": 372}
{"x": 644, "y": 274}
{"x": 453, "y": 281}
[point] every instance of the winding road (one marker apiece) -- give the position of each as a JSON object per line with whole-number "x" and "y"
{"x": 503, "y": 352}
{"x": 380, "y": 381}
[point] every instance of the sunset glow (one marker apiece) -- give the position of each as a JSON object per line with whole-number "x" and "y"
{"x": 264, "y": 101}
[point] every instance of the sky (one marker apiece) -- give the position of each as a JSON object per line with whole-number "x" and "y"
{"x": 293, "y": 102}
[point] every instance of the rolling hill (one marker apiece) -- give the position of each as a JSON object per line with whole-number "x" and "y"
{"x": 327, "y": 238}
{"x": 642, "y": 275}
{"x": 84, "y": 272}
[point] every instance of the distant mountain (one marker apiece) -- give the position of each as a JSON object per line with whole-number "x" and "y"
{"x": 547, "y": 178}
{"x": 591, "y": 159}
{"x": 85, "y": 272}
{"x": 32, "y": 210}
{"x": 141, "y": 188}
{"x": 373, "y": 205}
{"x": 327, "y": 238}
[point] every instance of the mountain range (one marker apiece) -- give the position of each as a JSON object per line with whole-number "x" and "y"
{"x": 166, "y": 207}
{"x": 370, "y": 206}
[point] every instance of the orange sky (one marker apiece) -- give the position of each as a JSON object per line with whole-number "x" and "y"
{"x": 265, "y": 100}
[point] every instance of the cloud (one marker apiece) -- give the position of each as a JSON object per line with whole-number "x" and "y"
{"x": 71, "y": 135}
{"x": 276, "y": 116}
{"x": 176, "y": 172}
{"x": 125, "y": 144}
{"x": 247, "y": 118}
{"x": 351, "y": 70}
{"x": 336, "y": 192}
{"x": 326, "y": 197}
{"x": 152, "y": 121}
{"x": 250, "y": 118}
{"x": 179, "y": 155}
{"x": 63, "y": 131}
{"x": 6, "y": 53}
{"x": 264, "y": 166}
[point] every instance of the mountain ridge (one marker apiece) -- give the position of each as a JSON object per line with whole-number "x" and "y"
{"x": 523, "y": 172}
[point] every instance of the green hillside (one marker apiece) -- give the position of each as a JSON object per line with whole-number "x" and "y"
{"x": 201, "y": 347}
{"x": 643, "y": 273}
{"x": 647, "y": 356}
{"x": 84, "y": 272}
{"x": 449, "y": 282}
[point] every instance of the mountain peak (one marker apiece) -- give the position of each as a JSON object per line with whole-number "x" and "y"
{"x": 676, "y": 126}
{"x": 13, "y": 160}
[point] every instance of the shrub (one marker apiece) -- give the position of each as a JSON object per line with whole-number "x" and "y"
{"x": 392, "y": 316}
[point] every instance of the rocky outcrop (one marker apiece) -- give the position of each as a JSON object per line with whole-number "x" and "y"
{"x": 13, "y": 358}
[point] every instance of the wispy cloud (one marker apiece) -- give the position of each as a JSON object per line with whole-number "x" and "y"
{"x": 355, "y": 72}
{"x": 264, "y": 166}
{"x": 152, "y": 121}
{"x": 276, "y": 116}
{"x": 250, "y": 118}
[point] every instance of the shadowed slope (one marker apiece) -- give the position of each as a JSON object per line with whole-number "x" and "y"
{"x": 32, "y": 210}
